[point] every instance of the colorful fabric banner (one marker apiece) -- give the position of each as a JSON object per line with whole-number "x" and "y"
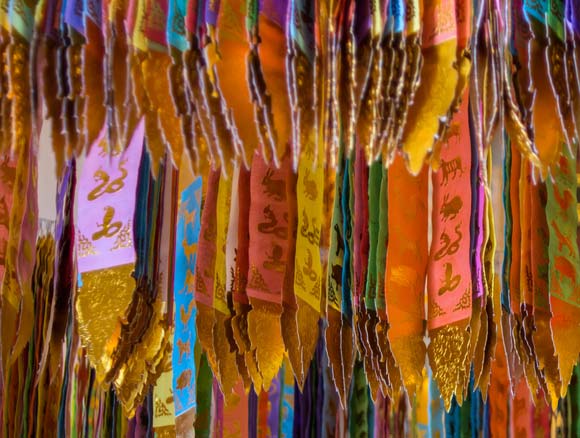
{"x": 268, "y": 253}
{"x": 449, "y": 279}
{"x": 564, "y": 264}
{"x": 105, "y": 244}
{"x": 268, "y": 241}
{"x": 187, "y": 238}
{"x": 406, "y": 267}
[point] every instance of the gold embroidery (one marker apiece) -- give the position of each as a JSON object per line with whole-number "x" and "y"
{"x": 98, "y": 315}
{"x": 448, "y": 352}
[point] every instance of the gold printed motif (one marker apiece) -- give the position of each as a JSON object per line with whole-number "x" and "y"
{"x": 450, "y": 282}
{"x": 464, "y": 302}
{"x": 275, "y": 260}
{"x": 124, "y": 238}
{"x": 450, "y": 208}
{"x": 257, "y": 281}
{"x": 270, "y": 226}
{"x": 274, "y": 188}
{"x": 312, "y": 236}
{"x": 451, "y": 168}
{"x": 85, "y": 247}
{"x": 310, "y": 189}
{"x": 108, "y": 227}
{"x": 105, "y": 185}
{"x": 437, "y": 310}
{"x": 449, "y": 247}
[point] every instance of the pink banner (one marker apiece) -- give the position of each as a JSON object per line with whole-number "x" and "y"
{"x": 106, "y": 204}
{"x": 439, "y": 23}
{"x": 268, "y": 246}
{"x": 449, "y": 272}
{"x": 156, "y": 21}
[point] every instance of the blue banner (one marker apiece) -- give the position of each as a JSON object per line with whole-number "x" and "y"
{"x": 187, "y": 235}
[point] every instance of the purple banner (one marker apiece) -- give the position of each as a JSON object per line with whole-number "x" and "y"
{"x": 106, "y": 200}
{"x": 73, "y": 15}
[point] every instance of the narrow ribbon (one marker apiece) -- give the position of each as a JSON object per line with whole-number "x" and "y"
{"x": 334, "y": 283}
{"x": 308, "y": 265}
{"x": 241, "y": 302}
{"x": 205, "y": 268}
{"x": 231, "y": 252}
{"x": 526, "y": 348}
{"x": 225, "y": 356}
{"x": 347, "y": 330}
